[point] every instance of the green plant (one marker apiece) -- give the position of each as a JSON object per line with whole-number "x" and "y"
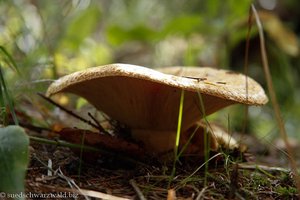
{"x": 14, "y": 156}
{"x": 177, "y": 137}
{"x": 286, "y": 192}
{"x": 6, "y": 102}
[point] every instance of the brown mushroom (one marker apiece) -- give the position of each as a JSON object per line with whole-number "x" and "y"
{"x": 147, "y": 100}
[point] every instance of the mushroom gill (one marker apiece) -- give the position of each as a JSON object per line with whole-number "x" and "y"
{"x": 147, "y": 100}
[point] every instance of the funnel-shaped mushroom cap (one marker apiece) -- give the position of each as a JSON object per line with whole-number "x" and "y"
{"x": 147, "y": 99}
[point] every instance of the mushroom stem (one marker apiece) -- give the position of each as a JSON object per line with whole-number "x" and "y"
{"x": 155, "y": 141}
{"x": 192, "y": 141}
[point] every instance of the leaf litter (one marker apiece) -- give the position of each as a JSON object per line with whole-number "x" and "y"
{"x": 229, "y": 175}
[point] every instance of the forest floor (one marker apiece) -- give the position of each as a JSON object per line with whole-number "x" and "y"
{"x": 59, "y": 172}
{"x": 258, "y": 173}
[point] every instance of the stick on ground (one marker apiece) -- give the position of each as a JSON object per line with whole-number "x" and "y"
{"x": 97, "y": 126}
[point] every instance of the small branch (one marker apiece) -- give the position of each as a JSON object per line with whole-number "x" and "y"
{"x": 81, "y": 191}
{"x": 247, "y": 46}
{"x": 201, "y": 193}
{"x": 264, "y": 168}
{"x": 73, "y": 114}
{"x": 137, "y": 189}
{"x": 87, "y": 148}
{"x": 101, "y": 129}
{"x": 66, "y": 144}
{"x": 35, "y": 128}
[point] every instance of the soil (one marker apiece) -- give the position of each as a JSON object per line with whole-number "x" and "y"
{"x": 227, "y": 177}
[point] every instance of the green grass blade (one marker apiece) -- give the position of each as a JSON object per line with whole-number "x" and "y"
{"x": 3, "y": 113}
{"x": 184, "y": 181}
{"x": 177, "y": 136}
{"x": 206, "y": 138}
{"x": 188, "y": 142}
{"x": 10, "y": 61}
{"x": 5, "y": 97}
{"x": 179, "y": 123}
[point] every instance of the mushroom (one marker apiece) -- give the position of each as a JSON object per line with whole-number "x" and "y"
{"x": 147, "y": 100}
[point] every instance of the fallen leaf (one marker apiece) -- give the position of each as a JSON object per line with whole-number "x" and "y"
{"x": 107, "y": 142}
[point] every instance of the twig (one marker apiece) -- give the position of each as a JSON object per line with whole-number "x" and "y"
{"x": 201, "y": 193}
{"x": 263, "y": 167}
{"x": 89, "y": 193}
{"x": 246, "y": 111}
{"x": 233, "y": 184}
{"x": 34, "y": 128}
{"x": 71, "y": 182}
{"x": 137, "y": 189}
{"x": 87, "y": 148}
{"x": 101, "y": 129}
{"x": 205, "y": 163}
{"x": 59, "y": 173}
{"x": 67, "y": 144}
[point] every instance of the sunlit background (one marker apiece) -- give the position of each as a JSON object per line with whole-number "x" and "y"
{"x": 48, "y": 39}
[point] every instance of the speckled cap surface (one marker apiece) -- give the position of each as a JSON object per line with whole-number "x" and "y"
{"x": 144, "y": 98}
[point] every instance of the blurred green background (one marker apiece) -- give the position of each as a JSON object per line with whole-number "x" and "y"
{"x": 47, "y": 39}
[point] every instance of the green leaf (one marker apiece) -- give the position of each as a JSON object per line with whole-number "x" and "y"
{"x": 14, "y": 159}
{"x": 82, "y": 27}
{"x": 117, "y": 35}
{"x": 184, "y": 25}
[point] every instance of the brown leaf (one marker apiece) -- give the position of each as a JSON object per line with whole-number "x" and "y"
{"x": 107, "y": 142}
